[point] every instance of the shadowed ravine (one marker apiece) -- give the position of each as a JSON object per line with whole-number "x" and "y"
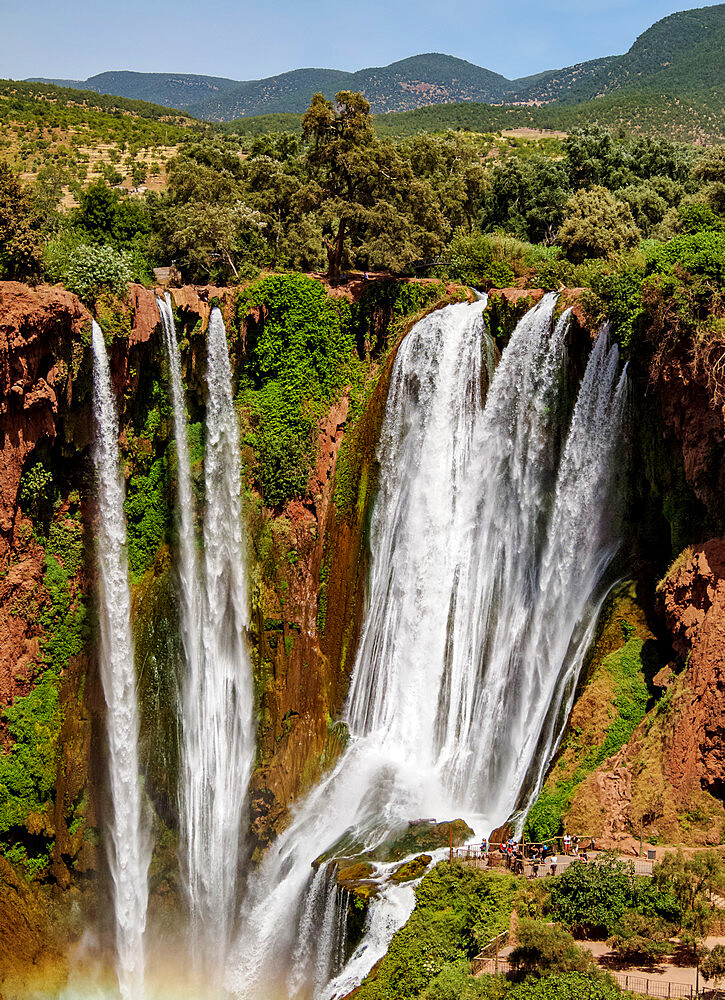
{"x": 491, "y": 540}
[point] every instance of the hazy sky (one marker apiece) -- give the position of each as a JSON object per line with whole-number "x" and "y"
{"x": 249, "y": 39}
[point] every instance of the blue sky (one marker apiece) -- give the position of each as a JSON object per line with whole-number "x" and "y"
{"x": 255, "y": 38}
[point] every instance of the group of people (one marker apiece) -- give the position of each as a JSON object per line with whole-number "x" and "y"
{"x": 516, "y": 854}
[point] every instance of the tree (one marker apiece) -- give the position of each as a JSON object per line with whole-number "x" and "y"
{"x": 691, "y": 881}
{"x": 647, "y": 206}
{"x": 595, "y": 157}
{"x": 593, "y": 897}
{"x": 596, "y": 224}
{"x": 713, "y": 965}
{"x": 527, "y": 197}
{"x": 546, "y": 948}
{"x": 370, "y": 204}
{"x": 641, "y": 937}
{"x": 20, "y": 250}
{"x": 711, "y": 170}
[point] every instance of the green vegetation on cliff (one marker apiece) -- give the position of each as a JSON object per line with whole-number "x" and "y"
{"x": 458, "y": 910}
{"x": 29, "y": 767}
{"x": 300, "y": 353}
{"x": 611, "y": 706}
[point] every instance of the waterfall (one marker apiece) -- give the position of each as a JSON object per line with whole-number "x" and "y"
{"x": 491, "y": 536}
{"x": 217, "y": 726}
{"x": 129, "y": 845}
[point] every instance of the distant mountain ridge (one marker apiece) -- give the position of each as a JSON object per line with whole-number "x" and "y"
{"x": 682, "y": 53}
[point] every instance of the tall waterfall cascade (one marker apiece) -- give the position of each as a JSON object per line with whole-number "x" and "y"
{"x": 492, "y": 540}
{"x": 217, "y": 695}
{"x": 129, "y": 844}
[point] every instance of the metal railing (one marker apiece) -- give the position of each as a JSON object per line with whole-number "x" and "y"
{"x": 644, "y": 985}
{"x": 539, "y": 868}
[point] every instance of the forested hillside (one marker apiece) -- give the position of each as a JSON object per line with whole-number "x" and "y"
{"x": 681, "y": 55}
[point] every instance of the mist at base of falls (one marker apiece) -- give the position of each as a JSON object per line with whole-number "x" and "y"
{"x": 491, "y": 540}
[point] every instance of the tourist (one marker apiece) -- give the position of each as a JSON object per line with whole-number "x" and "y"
{"x": 567, "y": 843}
{"x": 575, "y": 845}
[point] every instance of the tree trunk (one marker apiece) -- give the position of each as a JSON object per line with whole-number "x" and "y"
{"x": 334, "y": 250}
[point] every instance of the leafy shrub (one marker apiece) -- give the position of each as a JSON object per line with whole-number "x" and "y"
{"x": 567, "y": 986}
{"x": 35, "y": 490}
{"x": 301, "y": 353}
{"x": 592, "y": 897}
{"x": 640, "y": 936}
{"x": 458, "y": 909}
{"x": 545, "y": 948}
{"x": 20, "y": 251}
{"x": 147, "y": 511}
{"x": 472, "y": 261}
{"x": 596, "y": 224}
{"x": 87, "y": 270}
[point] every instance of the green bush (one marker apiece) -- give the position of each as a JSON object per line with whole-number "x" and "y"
{"x": 545, "y": 948}
{"x": 87, "y": 270}
{"x": 569, "y": 986}
{"x": 148, "y": 515}
{"x": 301, "y": 354}
{"x": 35, "y": 492}
{"x": 596, "y": 224}
{"x": 592, "y": 897}
{"x": 458, "y": 910}
{"x": 471, "y": 260}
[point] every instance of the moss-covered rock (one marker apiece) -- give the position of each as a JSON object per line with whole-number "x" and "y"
{"x": 411, "y": 870}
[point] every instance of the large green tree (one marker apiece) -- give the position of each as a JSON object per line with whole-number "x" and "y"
{"x": 20, "y": 250}
{"x": 596, "y": 224}
{"x": 371, "y": 206}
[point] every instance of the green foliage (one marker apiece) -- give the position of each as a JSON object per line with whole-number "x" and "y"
{"x": 544, "y": 947}
{"x": 641, "y": 937}
{"x": 567, "y": 986}
{"x": 701, "y": 253}
{"x": 28, "y": 767}
{"x": 148, "y": 515}
{"x": 301, "y": 354}
{"x": 88, "y": 270}
{"x": 592, "y": 897}
{"x": 35, "y": 491}
{"x": 458, "y": 909}
{"x": 19, "y": 245}
{"x": 712, "y": 967}
{"x": 527, "y": 197}
{"x": 472, "y": 262}
{"x": 620, "y": 295}
{"x": 595, "y": 224}
{"x": 689, "y": 883}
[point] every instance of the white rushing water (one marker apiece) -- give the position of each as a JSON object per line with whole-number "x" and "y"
{"x": 491, "y": 536}
{"x": 129, "y": 844}
{"x": 217, "y": 697}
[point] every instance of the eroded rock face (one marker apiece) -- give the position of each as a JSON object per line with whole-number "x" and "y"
{"x": 694, "y": 600}
{"x": 37, "y": 328}
{"x": 693, "y": 413}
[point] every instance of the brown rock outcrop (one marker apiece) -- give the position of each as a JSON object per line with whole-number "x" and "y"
{"x": 36, "y": 329}
{"x": 694, "y": 601}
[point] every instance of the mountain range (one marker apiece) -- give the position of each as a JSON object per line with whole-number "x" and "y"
{"x": 683, "y": 53}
